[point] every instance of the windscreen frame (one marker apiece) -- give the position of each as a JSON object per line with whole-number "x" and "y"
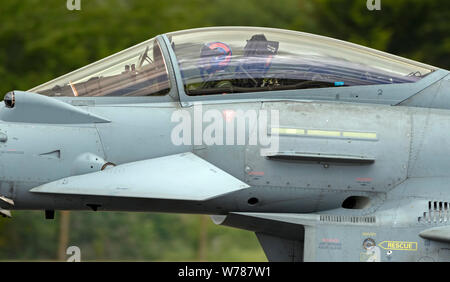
{"x": 171, "y": 96}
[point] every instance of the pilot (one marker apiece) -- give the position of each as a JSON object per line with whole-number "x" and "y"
{"x": 214, "y": 58}
{"x": 250, "y": 70}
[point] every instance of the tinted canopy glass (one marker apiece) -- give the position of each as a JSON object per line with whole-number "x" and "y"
{"x": 137, "y": 71}
{"x": 244, "y": 59}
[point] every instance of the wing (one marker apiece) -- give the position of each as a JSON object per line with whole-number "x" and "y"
{"x": 178, "y": 177}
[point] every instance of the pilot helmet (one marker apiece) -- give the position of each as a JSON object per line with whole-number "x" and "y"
{"x": 214, "y": 56}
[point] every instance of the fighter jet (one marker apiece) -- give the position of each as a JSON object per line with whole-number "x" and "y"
{"x": 326, "y": 150}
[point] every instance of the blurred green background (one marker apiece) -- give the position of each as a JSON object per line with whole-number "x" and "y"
{"x": 41, "y": 39}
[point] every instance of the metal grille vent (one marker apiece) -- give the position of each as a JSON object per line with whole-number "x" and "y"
{"x": 437, "y": 212}
{"x": 348, "y": 219}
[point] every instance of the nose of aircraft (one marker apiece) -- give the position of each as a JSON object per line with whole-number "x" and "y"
{"x": 43, "y": 139}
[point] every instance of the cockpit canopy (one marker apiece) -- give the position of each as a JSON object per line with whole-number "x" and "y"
{"x": 226, "y": 60}
{"x": 138, "y": 71}
{"x": 245, "y": 59}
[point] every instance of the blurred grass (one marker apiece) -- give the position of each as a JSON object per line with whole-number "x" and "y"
{"x": 123, "y": 236}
